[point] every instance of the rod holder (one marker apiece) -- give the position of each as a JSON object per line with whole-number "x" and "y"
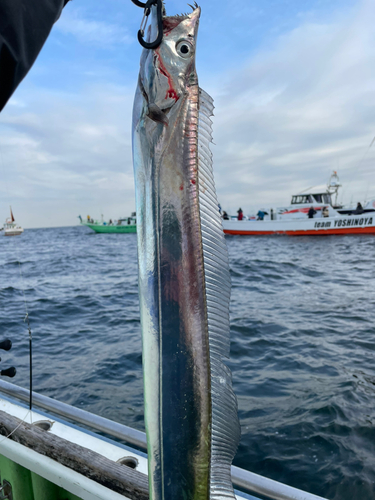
{"x": 6, "y": 344}
{"x": 8, "y": 372}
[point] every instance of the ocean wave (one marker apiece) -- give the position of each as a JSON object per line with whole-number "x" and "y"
{"x": 301, "y": 344}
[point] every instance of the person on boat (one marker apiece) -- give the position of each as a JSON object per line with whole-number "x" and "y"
{"x": 240, "y": 214}
{"x": 311, "y": 213}
{"x": 110, "y": 222}
{"x": 325, "y": 212}
{"x": 88, "y": 218}
{"x": 225, "y": 215}
{"x": 359, "y": 209}
{"x": 260, "y": 215}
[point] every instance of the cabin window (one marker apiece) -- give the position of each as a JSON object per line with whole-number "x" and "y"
{"x": 327, "y": 199}
{"x": 318, "y": 198}
{"x": 302, "y": 198}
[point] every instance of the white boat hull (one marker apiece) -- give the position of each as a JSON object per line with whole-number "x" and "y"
{"x": 13, "y": 232}
{"x": 351, "y": 224}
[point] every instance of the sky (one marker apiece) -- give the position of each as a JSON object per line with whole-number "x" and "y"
{"x": 293, "y": 83}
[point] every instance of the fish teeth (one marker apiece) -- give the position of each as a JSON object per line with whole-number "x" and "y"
{"x": 193, "y": 7}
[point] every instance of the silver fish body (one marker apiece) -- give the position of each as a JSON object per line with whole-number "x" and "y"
{"x": 190, "y": 409}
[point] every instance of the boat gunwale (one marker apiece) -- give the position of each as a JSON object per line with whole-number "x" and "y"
{"x": 250, "y": 482}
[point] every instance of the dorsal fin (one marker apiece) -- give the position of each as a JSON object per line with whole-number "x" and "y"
{"x": 225, "y": 424}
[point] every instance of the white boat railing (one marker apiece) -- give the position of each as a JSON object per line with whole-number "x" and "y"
{"x": 246, "y": 480}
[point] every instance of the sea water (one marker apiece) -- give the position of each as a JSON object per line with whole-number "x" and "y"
{"x": 302, "y": 344}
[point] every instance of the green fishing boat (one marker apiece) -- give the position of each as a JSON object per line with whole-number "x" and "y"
{"x": 123, "y": 225}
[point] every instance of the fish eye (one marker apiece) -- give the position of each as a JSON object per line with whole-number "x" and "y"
{"x": 184, "y": 48}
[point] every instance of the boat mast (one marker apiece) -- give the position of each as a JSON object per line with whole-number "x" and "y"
{"x": 334, "y": 185}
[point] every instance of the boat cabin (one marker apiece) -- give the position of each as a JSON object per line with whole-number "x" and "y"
{"x": 319, "y": 198}
{"x": 311, "y": 198}
{"x": 11, "y": 228}
{"x": 127, "y": 221}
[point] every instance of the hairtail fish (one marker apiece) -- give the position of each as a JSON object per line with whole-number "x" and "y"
{"x": 184, "y": 284}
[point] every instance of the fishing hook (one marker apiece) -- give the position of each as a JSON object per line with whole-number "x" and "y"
{"x": 139, "y": 4}
{"x": 159, "y": 13}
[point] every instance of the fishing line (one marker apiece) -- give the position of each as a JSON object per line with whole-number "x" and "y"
{"x": 26, "y": 319}
{"x": 14, "y": 430}
{"x": 363, "y": 159}
{"x": 366, "y": 153}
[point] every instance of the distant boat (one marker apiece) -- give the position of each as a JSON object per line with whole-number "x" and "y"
{"x": 122, "y": 225}
{"x": 312, "y": 212}
{"x": 11, "y": 228}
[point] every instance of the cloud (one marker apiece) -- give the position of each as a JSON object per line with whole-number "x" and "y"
{"x": 89, "y": 31}
{"x": 300, "y": 107}
{"x": 70, "y": 153}
{"x": 16, "y": 102}
{"x": 296, "y": 111}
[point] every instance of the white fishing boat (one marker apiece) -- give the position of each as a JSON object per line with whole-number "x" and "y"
{"x": 11, "y": 228}
{"x": 313, "y": 212}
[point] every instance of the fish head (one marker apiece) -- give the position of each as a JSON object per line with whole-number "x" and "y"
{"x": 168, "y": 71}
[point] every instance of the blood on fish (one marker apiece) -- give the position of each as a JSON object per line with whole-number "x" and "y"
{"x": 169, "y": 25}
{"x": 181, "y": 187}
{"x": 193, "y": 181}
{"x": 171, "y": 92}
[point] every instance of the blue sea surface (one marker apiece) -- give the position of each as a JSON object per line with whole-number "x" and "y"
{"x": 302, "y": 344}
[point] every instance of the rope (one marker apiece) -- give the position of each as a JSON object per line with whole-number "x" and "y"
{"x": 14, "y": 430}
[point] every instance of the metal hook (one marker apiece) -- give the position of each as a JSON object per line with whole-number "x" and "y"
{"x": 143, "y": 24}
{"x": 139, "y": 4}
{"x": 159, "y": 13}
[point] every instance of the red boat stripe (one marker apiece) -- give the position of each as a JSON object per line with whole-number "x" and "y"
{"x": 308, "y": 232}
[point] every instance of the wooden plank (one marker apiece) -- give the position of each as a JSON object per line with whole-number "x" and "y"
{"x": 115, "y": 476}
